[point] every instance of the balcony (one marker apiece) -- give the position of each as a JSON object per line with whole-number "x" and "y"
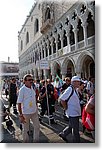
{"x": 46, "y": 26}
{"x": 91, "y": 40}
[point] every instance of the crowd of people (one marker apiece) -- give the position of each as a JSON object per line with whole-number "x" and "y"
{"x": 74, "y": 94}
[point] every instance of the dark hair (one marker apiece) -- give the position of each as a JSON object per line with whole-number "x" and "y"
{"x": 81, "y": 83}
{"x": 43, "y": 82}
{"x": 67, "y": 79}
{"x": 26, "y": 76}
{"x": 13, "y": 78}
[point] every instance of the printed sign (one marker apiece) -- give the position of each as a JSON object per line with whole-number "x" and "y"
{"x": 44, "y": 64}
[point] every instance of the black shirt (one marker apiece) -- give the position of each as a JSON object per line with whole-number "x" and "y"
{"x": 13, "y": 89}
{"x": 50, "y": 90}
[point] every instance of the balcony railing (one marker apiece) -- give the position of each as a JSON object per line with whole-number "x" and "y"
{"x": 73, "y": 47}
{"x": 91, "y": 40}
{"x": 68, "y": 49}
{"x": 80, "y": 44}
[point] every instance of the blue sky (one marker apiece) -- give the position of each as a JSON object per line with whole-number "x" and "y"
{"x": 12, "y": 16}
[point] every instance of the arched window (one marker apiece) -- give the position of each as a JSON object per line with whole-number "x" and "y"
{"x": 46, "y": 51}
{"x": 80, "y": 33}
{"x": 54, "y": 46}
{"x": 27, "y": 38}
{"x": 59, "y": 42}
{"x": 42, "y": 51}
{"x": 47, "y": 14}
{"x": 91, "y": 26}
{"x": 21, "y": 45}
{"x": 72, "y": 39}
{"x": 64, "y": 39}
{"x": 40, "y": 54}
{"x": 50, "y": 48}
{"x": 36, "y": 26}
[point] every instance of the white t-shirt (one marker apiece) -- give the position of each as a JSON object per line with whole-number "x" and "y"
{"x": 27, "y": 98}
{"x": 73, "y": 105}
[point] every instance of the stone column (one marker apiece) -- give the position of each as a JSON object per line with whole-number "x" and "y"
{"x": 75, "y": 30}
{"x": 35, "y": 75}
{"x": 52, "y": 73}
{"x": 63, "y": 72}
{"x": 68, "y": 40}
{"x": 56, "y": 40}
{"x": 41, "y": 52}
{"x": 84, "y": 25}
{"x": 51, "y": 46}
{"x": 45, "y": 74}
{"x": 47, "y": 48}
{"x": 61, "y": 38}
{"x": 78, "y": 70}
{"x": 44, "y": 50}
{"x": 39, "y": 74}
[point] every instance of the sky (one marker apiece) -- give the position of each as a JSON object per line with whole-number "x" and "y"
{"x": 12, "y": 16}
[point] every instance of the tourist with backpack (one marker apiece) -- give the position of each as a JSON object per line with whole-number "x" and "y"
{"x": 72, "y": 109}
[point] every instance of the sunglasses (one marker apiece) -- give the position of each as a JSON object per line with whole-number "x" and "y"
{"x": 29, "y": 80}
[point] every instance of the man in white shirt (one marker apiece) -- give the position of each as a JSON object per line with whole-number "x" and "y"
{"x": 27, "y": 108}
{"x": 73, "y": 110}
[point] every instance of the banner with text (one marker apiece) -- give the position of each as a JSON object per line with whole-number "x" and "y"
{"x": 44, "y": 64}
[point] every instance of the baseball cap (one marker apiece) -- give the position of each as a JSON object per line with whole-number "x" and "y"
{"x": 75, "y": 78}
{"x": 82, "y": 81}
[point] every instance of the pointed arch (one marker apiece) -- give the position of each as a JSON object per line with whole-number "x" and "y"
{"x": 91, "y": 25}
{"x": 36, "y": 26}
{"x": 80, "y": 33}
{"x": 47, "y": 14}
{"x": 72, "y": 38}
{"x": 59, "y": 42}
{"x": 64, "y": 38}
{"x": 27, "y": 38}
{"x": 54, "y": 45}
{"x": 86, "y": 64}
{"x": 68, "y": 66}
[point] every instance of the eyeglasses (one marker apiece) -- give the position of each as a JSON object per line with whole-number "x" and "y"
{"x": 29, "y": 80}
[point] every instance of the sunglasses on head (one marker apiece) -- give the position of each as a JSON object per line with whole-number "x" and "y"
{"x": 29, "y": 80}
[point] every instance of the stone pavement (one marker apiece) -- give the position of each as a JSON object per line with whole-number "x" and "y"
{"x": 48, "y": 133}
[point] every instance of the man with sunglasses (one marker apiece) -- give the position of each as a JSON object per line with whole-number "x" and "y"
{"x": 27, "y": 108}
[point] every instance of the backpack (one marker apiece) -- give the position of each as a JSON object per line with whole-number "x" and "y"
{"x": 59, "y": 100}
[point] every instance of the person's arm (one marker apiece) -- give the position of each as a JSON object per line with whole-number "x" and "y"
{"x": 19, "y": 102}
{"x": 64, "y": 97}
{"x": 21, "y": 117}
{"x": 90, "y": 108}
{"x": 19, "y": 108}
{"x": 64, "y": 104}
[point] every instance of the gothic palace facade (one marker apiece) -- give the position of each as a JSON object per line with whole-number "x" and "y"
{"x": 63, "y": 33}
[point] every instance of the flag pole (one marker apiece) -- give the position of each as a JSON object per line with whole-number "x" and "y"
{"x": 47, "y": 100}
{"x": 44, "y": 65}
